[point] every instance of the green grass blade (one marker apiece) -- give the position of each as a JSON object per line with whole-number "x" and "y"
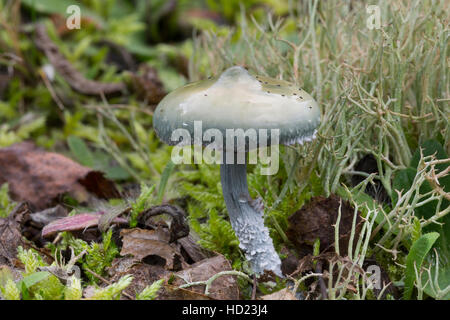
{"x": 416, "y": 255}
{"x": 80, "y": 151}
{"x": 164, "y": 178}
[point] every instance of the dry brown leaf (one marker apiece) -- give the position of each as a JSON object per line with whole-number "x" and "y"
{"x": 32, "y": 227}
{"x": 5, "y": 79}
{"x": 317, "y": 220}
{"x": 169, "y": 292}
{"x": 10, "y": 235}
{"x": 223, "y": 288}
{"x": 39, "y": 177}
{"x": 283, "y": 294}
{"x": 143, "y": 274}
{"x": 141, "y": 243}
{"x": 179, "y": 227}
{"x": 44, "y": 217}
{"x": 290, "y": 261}
{"x": 147, "y": 85}
{"x": 193, "y": 251}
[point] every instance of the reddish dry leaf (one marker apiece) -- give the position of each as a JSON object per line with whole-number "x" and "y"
{"x": 77, "y": 222}
{"x": 141, "y": 243}
{"x": 39, "y": 177}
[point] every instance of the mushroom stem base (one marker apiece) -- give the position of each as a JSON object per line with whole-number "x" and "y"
{"x": 248, "y": 222}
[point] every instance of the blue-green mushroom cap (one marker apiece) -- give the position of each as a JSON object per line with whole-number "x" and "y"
{"x": 239, "y": 100}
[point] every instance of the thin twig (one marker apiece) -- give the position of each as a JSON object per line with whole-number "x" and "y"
{"x": 209, "y": 281}
{"x": 255, "y": 284}
{"x": 107, "y": 282}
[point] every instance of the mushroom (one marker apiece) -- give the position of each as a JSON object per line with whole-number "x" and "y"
{"x": 239, "y": 100}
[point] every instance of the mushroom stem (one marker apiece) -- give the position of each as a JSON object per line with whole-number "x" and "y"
{"x": 247, "y": 221}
